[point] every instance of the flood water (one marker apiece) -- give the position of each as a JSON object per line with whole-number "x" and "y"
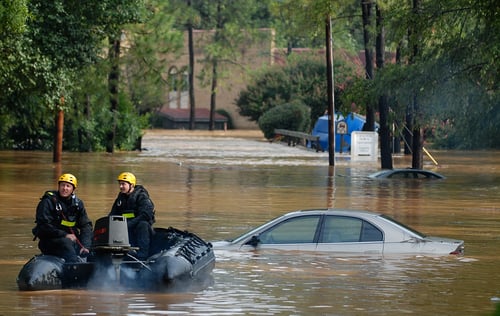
{"x": 220, "y": 187}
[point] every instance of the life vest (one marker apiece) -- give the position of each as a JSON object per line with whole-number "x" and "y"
{"x": 68, "y": 214}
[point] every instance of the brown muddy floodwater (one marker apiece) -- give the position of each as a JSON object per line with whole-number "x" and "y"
{"x": 221, "y": 185}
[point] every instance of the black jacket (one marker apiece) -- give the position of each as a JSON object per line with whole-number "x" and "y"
{"x": 138, "y": 203}
{"x": 56, "y": 217}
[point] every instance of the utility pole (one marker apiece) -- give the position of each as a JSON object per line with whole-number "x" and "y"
{"x": 330, "y": 89}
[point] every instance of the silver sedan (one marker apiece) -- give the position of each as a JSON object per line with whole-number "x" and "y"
{"x": 342, "y": 231}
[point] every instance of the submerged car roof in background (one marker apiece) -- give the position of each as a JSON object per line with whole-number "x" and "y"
{"x": 407, "y": 173}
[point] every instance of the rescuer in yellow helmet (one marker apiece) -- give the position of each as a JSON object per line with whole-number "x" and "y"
{"x": 133, "y": 203}
{"x": 62, "y": 224}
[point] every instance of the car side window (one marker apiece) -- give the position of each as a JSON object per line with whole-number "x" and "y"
{"x": 421, "y": 175}
{"x": 338, "y": 229}
{"x": 399, "y": 175}
{"x": 371, "y": 233}
{"x": 294, "y": 230}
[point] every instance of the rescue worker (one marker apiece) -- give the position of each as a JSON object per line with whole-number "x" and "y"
{"x": 62, "y": 224}
{"x": 134, "y": 204}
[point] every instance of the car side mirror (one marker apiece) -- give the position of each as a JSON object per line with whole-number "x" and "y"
{"x": 254, "y": 241}
{"x": 414, "y": 240}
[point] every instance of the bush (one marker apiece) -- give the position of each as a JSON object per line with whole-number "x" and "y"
{"x": 302, "y": 78}
{"x": 294, "y": 116}
{"x": 230, "y": 124}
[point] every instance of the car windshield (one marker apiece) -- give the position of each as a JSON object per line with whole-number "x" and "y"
{"x": 293, "y": 230}
{"x": 392, "y": 220}
{"x": 250, "y": 232}
{"x": 237, "y": 239}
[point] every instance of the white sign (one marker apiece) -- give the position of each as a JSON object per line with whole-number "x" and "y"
{"x": 364, "y": 146}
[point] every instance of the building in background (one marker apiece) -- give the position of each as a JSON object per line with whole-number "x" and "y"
{"x": 175, "y": 111}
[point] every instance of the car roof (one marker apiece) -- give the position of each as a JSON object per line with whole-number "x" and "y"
{"x": 407, "y": 170}
{"x": 334, "y": 211}
{"x": 364, "y": 214}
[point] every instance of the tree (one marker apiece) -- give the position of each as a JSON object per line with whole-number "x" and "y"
{"x": 61, "y": 39}
{"x": 383, "y": 106}
{"x": 446, "y": 80}
{"x": 113, "y": 22}
{"x": 147, "y": 50}
{"x": 192, "y": 103}
{"x": 57, "y": 41}
{"x": 13, "y": 16}
{"x": 303, "y": 79}
{"x": 231, "y": 29}
{"x": 151, "y": 49}
{"x": 465, "y": 76}
{"x": 449, "y": 58}
{"x": 367, "y": 13}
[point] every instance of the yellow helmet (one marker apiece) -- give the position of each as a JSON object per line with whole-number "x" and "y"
{"x": 127, "y": 177}
{"x": 68, "y": 177}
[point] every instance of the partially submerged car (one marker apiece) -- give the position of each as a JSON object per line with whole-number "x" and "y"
{"x": 341, "y": 231}
{"x": 405, "y": 174}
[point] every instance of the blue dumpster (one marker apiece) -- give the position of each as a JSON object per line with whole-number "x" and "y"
{"x": 354, "y": 123}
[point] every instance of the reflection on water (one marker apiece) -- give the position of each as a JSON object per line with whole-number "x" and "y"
{"x": 220, "y": 187}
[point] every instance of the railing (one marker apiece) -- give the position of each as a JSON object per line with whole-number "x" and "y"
{"x": 298, "y": 138}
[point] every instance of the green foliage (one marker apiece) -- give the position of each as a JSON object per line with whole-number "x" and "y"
{"x": 448, "y": 75}
{"x": 13, "y": 15}
{"x": 269, "y": 89}
{"x": 89, "y": 120}
{"x": 65, "y": 31}
{"x": 301, "y": 23}
{"x": 89, "y": 133}
{"x": 30, "y": 99}
{"x": 471, "y": 124}
{"x": 45, "y": 63}
{"x": 129, "y": 125}
{"x": 293, "y": 116}
{"x": 145, "y": 63}
{"x": 46, "y": 45}
{"x": 303, "y": 78}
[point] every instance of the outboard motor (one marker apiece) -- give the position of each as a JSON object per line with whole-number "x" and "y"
{"x": 110, "y": 242}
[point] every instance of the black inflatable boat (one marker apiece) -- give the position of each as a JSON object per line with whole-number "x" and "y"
{"x": 178, "y": 261}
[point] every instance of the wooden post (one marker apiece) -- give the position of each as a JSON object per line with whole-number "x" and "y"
{"x": 59, "y": 133}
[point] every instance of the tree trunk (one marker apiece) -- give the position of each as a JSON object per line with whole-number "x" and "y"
{"x": 397, "y": 137}
{"x": 384, "y": 131}
{"x": 192, "y": 119}
{"x": 417, "y": 161}
{"x": 113, "y": 79}
{"x": 417, "y": 137}
{"x": 213, "y": 90}
{"x": 211, "y": 124}
{"x": 366, "y": 8}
